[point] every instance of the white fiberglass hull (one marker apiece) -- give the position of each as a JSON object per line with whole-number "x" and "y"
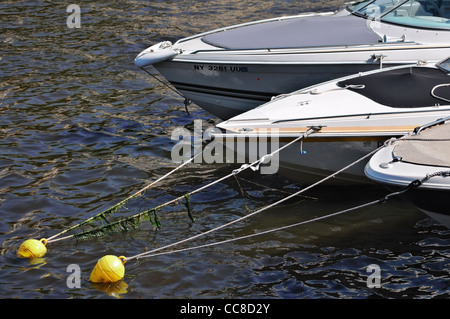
{"x": 316, "y": 157}
{"x": 310, "y": 161}
{"x": 226, "y": 90}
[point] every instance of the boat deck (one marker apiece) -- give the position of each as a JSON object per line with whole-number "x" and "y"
{"x": 430, "y": 147}
{"x": 296, "y": 33}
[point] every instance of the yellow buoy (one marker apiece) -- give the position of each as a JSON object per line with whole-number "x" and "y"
{"x": 32, "y": 248}
{"x": 108, "y": 269}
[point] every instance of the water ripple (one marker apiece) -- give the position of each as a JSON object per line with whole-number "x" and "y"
{"x": 82, "y": 128}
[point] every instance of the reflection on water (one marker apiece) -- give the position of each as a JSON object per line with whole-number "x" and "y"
{"x": 81, "y": 129}
{"x": 115, "y": 289}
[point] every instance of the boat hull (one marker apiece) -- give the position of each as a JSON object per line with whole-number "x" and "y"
{"x": 309, "y": 161}
{"x": 226, "y": 90}
{"x": 319, "y": 158}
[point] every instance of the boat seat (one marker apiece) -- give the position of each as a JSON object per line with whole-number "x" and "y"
{"x": 402, "y": 88}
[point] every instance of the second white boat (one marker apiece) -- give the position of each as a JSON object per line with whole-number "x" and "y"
{"x": 351, "y": 117}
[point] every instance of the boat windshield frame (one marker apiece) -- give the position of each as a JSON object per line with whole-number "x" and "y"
{"x": 444, "y": 65}
{"x": 401, "y": 13}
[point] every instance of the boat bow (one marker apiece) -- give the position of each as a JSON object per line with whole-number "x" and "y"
{"x": 156, "y": 53}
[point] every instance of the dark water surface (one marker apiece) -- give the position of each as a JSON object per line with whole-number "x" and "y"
{"x": 81, "y": 128}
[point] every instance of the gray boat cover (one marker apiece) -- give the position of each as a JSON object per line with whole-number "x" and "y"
{"x": 430, "y": 147}
{"x": 295, "y": 33}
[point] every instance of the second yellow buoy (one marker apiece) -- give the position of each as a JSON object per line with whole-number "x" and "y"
{"x": 108, "y": 269}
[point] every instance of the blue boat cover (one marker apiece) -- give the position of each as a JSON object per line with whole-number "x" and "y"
{"x": 296, "y": 33}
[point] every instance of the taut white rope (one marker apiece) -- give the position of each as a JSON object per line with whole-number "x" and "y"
{"x": 151, "y": 253}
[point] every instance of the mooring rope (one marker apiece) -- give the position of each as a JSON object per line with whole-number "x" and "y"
{"x": 162, "y": 82}
{"x": 154, "y": 254}
{"x": 151, "y": 252}
{"x": 440, "y": 173}
{"x": 254, "y": 166}
{"x": 120, "y": 204}
{"x": 33, "y": 248}
{"x": 186, "y": 101}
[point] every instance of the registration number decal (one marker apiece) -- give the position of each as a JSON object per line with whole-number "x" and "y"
{"x": 220, "y": 68}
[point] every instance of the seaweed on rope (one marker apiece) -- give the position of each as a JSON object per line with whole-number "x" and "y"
{"x": 188, "y": 207}
{"x": 132, "y": 222}
{"x": 124, "y": 224}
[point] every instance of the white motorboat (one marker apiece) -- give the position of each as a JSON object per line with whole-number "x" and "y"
{"x": 419, "y": 163}
{"x": 351, "y": 117}
{"x": 231, "y": 70}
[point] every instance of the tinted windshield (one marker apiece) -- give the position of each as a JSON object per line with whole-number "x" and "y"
{"x": 375, "y": 8}
{"x": 418, "y": 13}
{"x": 424, "y": 14}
